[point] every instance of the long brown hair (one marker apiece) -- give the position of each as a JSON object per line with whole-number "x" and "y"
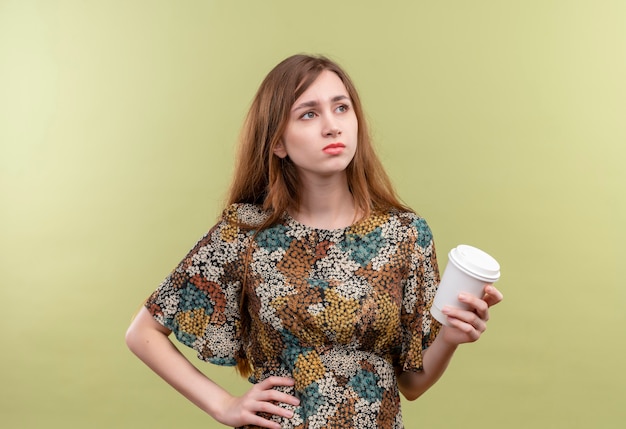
{"x": 262, "y": 178}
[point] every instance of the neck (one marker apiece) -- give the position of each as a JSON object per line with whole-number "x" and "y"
{"x": 326, "y": 204}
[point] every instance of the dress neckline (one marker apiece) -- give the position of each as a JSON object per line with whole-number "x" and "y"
{"x": 294, "y": 222}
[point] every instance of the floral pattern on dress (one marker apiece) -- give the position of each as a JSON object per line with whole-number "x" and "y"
{"x": 336, "y": 310}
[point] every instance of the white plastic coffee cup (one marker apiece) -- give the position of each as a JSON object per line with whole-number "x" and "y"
{"x": 468, "y": 270}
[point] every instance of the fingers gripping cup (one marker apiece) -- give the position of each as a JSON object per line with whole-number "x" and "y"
{"x": 468, "y": 270}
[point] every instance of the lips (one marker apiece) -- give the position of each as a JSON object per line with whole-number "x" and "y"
{"x": 334, "y": 148}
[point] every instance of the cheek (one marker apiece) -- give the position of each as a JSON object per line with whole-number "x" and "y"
{"x": 300, "y": 138}
{"x": 355, "y": 125}
{"x": 293, "y": 134}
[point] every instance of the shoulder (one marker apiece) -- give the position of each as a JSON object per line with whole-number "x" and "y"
{"x": 405, "y": 217}
{"x": 245, "y": 215}
{"x": 415, "y": 224}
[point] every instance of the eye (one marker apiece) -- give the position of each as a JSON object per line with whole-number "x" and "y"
{"x": 342, "y": 108}
{"x": 308, "y": 115}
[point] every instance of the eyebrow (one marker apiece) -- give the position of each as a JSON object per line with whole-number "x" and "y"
{"x": 313, "y": 103}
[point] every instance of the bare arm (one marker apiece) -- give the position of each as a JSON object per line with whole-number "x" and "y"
{"x": 466, "y": 326}
{"x": 436, "y": 359}
{"x": 147, "y": 339}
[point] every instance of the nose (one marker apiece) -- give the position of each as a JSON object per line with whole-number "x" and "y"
{"x": 331, "y": 128}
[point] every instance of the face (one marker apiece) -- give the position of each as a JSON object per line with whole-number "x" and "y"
{"x": 321, "y": 134}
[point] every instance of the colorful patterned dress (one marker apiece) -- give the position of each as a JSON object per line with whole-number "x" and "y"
{"x": 336, "y": 310}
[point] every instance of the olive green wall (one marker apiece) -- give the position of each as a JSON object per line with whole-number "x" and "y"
{"x": 502, "y": 122}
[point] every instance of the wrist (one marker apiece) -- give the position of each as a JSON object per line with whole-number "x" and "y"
{"x": 446, "y": 339}
{"x": 211, "y": 398}
{"x": 217, "y": 405}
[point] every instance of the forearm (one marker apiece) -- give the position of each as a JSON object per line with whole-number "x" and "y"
{"x": 152, "y": 345}
{"x": 435, "y": 361}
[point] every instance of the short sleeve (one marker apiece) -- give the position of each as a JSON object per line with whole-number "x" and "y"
{"x": 419, "y": 328}
{"x": 199, "y": 301}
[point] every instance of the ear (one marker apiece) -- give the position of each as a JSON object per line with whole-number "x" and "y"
{"x": 280, "y": 150}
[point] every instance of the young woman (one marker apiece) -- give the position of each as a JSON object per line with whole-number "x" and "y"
{"x": 316, "y": 282}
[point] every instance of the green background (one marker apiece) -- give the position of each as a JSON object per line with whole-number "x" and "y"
{"x": 501, "y": 122}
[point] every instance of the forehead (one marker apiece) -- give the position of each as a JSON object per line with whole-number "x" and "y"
{"x": 327, "y": 85}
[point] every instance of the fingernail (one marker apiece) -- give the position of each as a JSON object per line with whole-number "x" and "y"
{"x": 462, "y": 296}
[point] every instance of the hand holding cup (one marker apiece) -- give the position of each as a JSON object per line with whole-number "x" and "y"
{"x": 468, "y": 271}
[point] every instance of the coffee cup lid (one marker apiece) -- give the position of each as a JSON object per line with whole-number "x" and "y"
{"x": 475, "y": 262}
